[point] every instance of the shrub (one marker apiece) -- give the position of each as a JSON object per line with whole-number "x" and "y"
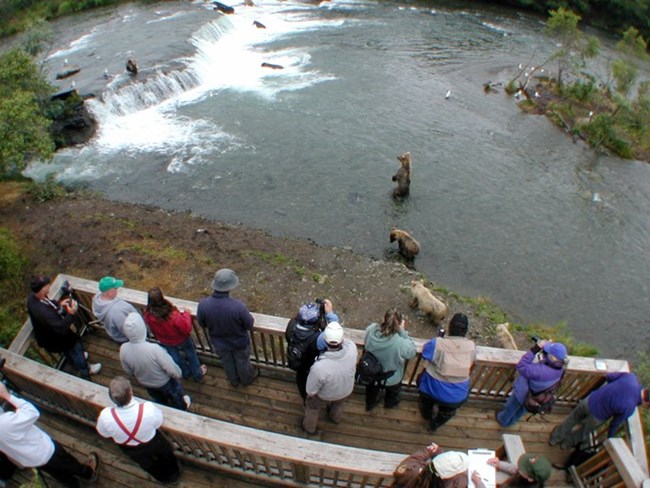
{"x": 47, "y": 190}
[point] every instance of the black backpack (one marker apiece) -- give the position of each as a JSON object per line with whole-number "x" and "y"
{"x": 370, "y": 370}
{"x": 299, "y": 338}
{"x": 542, "y": 403}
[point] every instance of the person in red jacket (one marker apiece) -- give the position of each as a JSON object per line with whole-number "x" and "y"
{"x": 172, "y": 327}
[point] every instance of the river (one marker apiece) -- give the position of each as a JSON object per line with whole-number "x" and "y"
{"x": 503, "y": 203}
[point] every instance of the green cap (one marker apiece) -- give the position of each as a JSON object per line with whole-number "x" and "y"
{"x": 536, "y": 467}
{"x": 108, "y": 282}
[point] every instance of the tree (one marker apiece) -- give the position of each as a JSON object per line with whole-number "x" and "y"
{"x": 575, "y": 48}
{"x": 24, "y": 128}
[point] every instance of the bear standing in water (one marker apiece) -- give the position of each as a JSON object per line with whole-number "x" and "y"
{"x": 403, "y": 177}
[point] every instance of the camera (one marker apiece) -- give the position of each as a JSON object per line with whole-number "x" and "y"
{"x": 535, "y": 339}
{"x": 441, "y": 332}
{"x": 66, "y": 290}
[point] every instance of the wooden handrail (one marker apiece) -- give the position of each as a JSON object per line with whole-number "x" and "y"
{"x": 212, "y": 443}
{"x": 492, "y": 376}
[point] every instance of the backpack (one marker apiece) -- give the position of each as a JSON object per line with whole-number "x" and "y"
{"x": 542, "y": 403}
{"x": 299, "y": 338}
{"x": 370, "y": 370}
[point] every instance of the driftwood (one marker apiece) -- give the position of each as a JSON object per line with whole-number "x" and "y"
{"x": 68, "y": 71}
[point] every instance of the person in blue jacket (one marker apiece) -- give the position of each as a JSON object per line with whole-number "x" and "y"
{"x": 539, "y": 369}
{"x": 444, "y": 383}
{"x": 617, "y": 399}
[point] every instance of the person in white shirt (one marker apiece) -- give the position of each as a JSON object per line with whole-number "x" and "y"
{"x": 134, "y": 427}
{"x": 27, "y": 446}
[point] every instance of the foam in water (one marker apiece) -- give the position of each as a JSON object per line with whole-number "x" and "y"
{"x": 142, "y": 115}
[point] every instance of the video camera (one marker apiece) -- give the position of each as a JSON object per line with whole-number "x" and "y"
{"x": 66, "y": 290}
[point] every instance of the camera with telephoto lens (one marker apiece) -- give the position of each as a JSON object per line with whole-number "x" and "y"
{"x": 321, "y": 312}
{"x": 535, "y": 339}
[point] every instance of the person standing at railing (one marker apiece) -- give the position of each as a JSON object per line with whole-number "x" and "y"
{"x": 52, "y": 321}
{"x": 304, "y": 336}
{"x": 539, "y": 369}
{"x": 111, "y": 309}
{"x": 331, "y": 378}
{"x": 229, "y": 324}
{"x": 27, "y": 446}
{"x": 173, "y": 328}
{"x": 616, "y": 400}
{"x": 392, "y": 345}
{"x": 134, "y": 428}
{"x": 444, "y": 382}
{"x": 153, "y": 367}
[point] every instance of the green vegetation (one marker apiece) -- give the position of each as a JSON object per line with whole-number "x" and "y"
{"x": 611, "y": 15}
{"x": 47, "y": 190}
{"x": 611, "y": 113}
{"x": 12, "y": 277}
{"x": 279, "y": 259}
{"x": 24, "y": 101}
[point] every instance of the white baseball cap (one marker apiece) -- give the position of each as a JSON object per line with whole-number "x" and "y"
{"x": 334, "y": 333}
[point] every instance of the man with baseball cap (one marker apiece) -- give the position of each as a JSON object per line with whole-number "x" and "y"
{"x": 111, "y": 309}
{"x": 229, "y": 324}
{"x": 331, "y": 378}
{"x": 537, "y": 373}
{"x": 530, "y": 470}
{"x": 52, "y": 321}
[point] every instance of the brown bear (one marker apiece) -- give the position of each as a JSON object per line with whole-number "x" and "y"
{"x": 403, "y": 177}
{"x": 424, "y": 300}
{"x": 505, "y": 337}
{"x": 408, "y": 247}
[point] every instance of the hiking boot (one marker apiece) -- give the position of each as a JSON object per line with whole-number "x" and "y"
{"x": 188, "y": 401}
{"x": 93, "y": 464}
{"x": 95, "y": 368}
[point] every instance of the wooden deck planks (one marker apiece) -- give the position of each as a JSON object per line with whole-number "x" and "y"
{"x": 272, "y": 403}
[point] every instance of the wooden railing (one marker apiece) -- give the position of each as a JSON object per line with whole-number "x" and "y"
{"x": 267, "y": 457}
{"x": 492, "y": 376}
{"x": 613, "y": 466}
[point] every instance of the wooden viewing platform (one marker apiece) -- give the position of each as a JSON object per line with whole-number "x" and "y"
{"x": 249, "y": 435}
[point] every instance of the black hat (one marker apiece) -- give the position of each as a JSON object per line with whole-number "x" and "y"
{"x": 39, "y": 282}
{"x": 459, "y": 320}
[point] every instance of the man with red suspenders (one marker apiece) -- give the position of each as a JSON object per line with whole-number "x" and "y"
{"x": 134, "y": 427}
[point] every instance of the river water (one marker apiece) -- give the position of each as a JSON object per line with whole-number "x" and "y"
{"x": 503, "y": 204}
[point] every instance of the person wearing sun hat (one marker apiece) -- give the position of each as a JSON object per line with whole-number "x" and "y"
{"x": 112, "y": 310}
{"x": 432, "y": 467}
{"x": 228, "y": 323}
{"x": 52, "y": 321}
{"x": 331, "y": 378}
{"x": 539, "y": 369}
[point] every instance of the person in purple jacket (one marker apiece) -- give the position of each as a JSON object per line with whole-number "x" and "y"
{"x": 229, "y": 324}
{"x": 539, "y": 369}
{"x": 617, "y": 399}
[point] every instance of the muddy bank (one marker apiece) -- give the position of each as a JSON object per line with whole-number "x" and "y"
{"x": 90, "y": 237}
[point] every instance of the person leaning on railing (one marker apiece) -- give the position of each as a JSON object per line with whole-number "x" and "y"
{"x": 134, "y": 428}
{"x": 173, "y": 327}
{"x": 52, "y": 321}
{"x": 617, "y": 399}
{"x": 539, "y": 369}
{"x": 530, "y": 470}
{"x": 445, "y": 380}
{"x": 392, "y": 345}
{"x": 111, "y": 309}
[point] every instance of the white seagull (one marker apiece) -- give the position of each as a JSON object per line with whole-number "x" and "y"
{"x": 448, "y": 94}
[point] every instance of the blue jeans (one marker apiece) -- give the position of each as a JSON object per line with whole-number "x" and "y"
{"x": 170, "y": 394}
{"x": 512, "y": 411}
{"x": 76, "y": 357}
{"x": 185, "y": 356}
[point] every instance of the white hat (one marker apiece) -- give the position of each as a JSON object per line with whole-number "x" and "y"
{"x": 334, "y": 333}
{"x": 450, "y": 463}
